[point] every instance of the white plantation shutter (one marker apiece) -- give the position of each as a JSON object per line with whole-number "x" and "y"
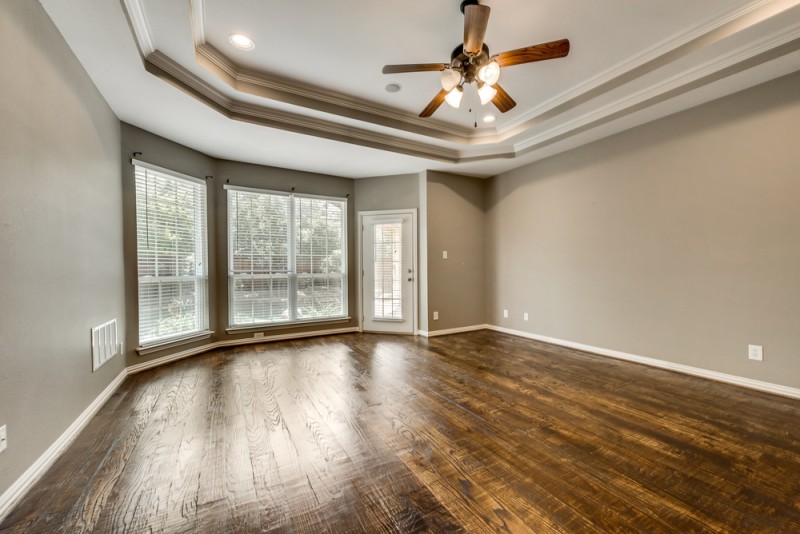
{"x": 286, "y": 257}
{"x": 171, "y": 252}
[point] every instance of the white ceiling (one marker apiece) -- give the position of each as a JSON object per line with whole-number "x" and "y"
{"x": 311, "y": 96}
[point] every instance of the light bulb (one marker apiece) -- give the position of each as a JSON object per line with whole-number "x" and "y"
{"x": 454, "y": 96}
{"x": 486, "y": 92}
{"x": 489, "y": 73}
{"x": 450, "y": 78}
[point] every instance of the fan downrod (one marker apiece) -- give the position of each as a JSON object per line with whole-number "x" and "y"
{"x": 466, "y": 3}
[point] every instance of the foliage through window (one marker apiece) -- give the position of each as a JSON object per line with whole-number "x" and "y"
{"x": 171, "y": 254}
{"x": 286, "y": 257}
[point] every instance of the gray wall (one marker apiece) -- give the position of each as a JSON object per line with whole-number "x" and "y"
{"x": 387, "y": 192}
{"x": 60, "y": 235}
{"x": 247, "y": 175}
{"x": 456, "y": 223}
{"x": 677, "y": 240}
{"x": 165, "y": 153}
{"x": 170, "y": 155}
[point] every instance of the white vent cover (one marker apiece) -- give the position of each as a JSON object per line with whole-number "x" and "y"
{"x": 104, "y": 343}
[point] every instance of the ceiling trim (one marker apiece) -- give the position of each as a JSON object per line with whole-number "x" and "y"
{"x": 773, "y": 47}
{"x": 474, "y": 147}
{"x": 674, "y": 46}
{"x": 320, "y": 99}
{"x": 164, "y": 67}
{"x": 139, "y": 27}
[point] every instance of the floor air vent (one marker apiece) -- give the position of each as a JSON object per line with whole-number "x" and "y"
{"x": 104, "y": 343}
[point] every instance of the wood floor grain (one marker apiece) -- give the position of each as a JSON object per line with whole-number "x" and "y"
{"x": 476, "y": 432}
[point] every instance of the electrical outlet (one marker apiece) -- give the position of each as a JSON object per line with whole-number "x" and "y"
{"x": 505, "y": 314}
{"x": 435, "y": 316}
{"x": 444, "y": 254}
{"x": 3, "y": 438}
{"x": 525, "y": 316}
{"x": 258, "y": 335}
{"x": 755, "y": 352}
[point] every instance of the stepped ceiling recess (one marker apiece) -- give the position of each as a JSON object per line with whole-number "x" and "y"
{"x": 310, "y": 94}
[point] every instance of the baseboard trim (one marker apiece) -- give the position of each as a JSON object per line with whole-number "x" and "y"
{"x": 144, "y": 366}
{"x": 14, "y": 494}
{"x": 750, "y": 383}
{"x": 459, "y": 330}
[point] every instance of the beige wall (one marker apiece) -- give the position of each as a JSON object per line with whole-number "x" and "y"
{"x": 61, "y": 265}
{"x": 677, "y": 240}
{"x": 456, "y": 223}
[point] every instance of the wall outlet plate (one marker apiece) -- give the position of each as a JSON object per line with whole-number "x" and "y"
{"x": 755, "y": 352}
{"x": 525, "y": 316}
{"x": 435, "y": 316}
{"x": 3, "y": 438}
{"x": 505, "y": 314}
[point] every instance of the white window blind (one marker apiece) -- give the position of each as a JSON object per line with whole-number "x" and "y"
{"x": 286, "y": 256}
{"x": 172, "y": 256}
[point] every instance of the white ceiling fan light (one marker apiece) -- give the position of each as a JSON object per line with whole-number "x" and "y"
{"x": 489, "y": 73}
{"x": 453, "y": 98}
{"x": 486, "y": 93}
{"x": 450, "y": 79}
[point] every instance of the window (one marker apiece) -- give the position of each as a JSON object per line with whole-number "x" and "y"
{"x": 286, "y": 257}
{"x": 171, "y": 253}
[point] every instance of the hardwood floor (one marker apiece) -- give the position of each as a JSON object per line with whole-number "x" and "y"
{"x": 477, "y": 432}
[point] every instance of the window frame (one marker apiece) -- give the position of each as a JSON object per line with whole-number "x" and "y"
{"x": 201, "y": 278}
{"x": 291, "y": 271}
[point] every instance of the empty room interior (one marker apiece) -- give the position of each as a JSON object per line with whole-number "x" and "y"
{"x": 479, "y": 266}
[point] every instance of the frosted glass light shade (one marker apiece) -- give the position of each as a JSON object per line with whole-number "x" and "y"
{"x": 454, "y": 97}
{"x": 489, "y": 73}
{"x": 486, "y": 92}
{"x": 450, "y": 78}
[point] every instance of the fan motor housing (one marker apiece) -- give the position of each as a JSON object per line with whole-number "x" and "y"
{"x": 469, "y": 66}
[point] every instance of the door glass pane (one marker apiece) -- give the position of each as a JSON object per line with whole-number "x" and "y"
{"x": 388, "y": 262}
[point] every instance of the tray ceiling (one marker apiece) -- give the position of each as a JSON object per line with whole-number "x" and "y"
{"x": 311, "y": 95}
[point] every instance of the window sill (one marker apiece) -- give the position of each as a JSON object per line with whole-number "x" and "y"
{"x": 250, "y": 328}
{"x": 172, "y": 342}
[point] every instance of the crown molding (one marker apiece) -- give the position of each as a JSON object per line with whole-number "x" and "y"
{"x": 162, "y": 66}
{"x": 470, "y": 146}
{"x": 766, "y": 49}
{"x": 138, "y": 23}
{"x": 678, "y": 45}
{"x": 273, "y": 87}
{"x": 198, "y": 18}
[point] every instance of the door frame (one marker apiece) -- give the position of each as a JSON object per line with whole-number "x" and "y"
{"x": 414, "y": 263}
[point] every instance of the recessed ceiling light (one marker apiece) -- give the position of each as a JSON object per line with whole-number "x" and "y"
{"x": 393, "y": 87}
{"x": 489, "y": 118}
{"x": 241, "y": 41}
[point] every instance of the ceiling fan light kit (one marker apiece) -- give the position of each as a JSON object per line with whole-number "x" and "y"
{"x": 454, "y": 96}
{"x": 471, "y": 62}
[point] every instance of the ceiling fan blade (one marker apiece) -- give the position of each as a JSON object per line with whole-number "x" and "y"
{"x": 503, "y": 100}
{"x": 540, "y": 52}
{"x": 434, "y": 104}
{"x": 476, "y": 19}
{"x": 415, "y": 67}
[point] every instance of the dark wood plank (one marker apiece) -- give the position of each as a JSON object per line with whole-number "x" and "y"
{"x": 476, "y": 432}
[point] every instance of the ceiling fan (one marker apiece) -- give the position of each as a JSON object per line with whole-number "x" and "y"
{"x": 470, "y": 62}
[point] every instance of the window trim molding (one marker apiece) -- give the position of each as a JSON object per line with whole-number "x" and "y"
{"x": 168, "y": 343}
{"x": 205, "y": 331}
{"x": 176, "y": 174}
{"x": 292, "y": 267}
